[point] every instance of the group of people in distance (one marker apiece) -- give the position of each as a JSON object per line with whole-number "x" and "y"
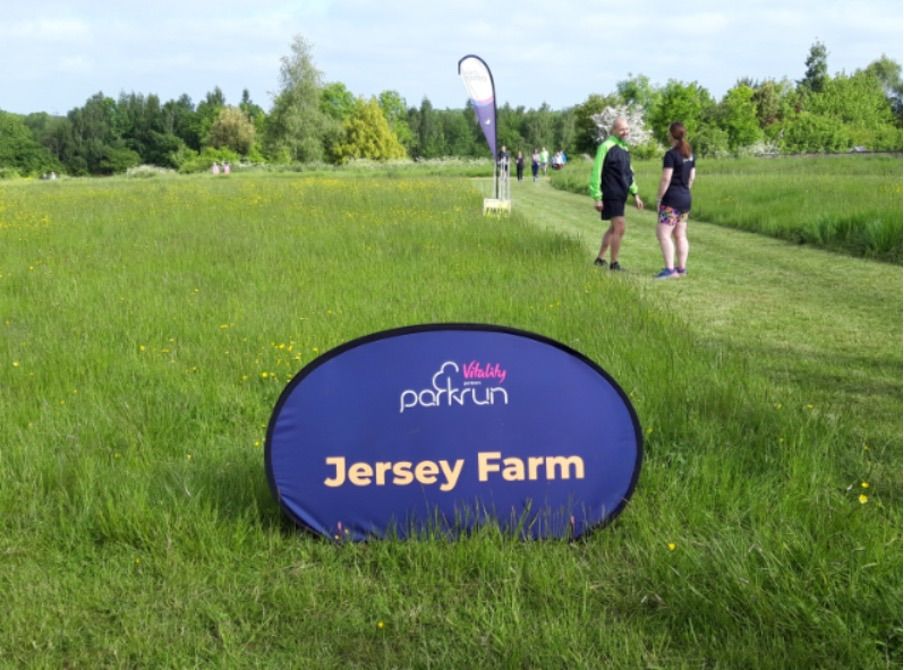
{"x": 539, "y": 162}
{"x": 612, "y": 181}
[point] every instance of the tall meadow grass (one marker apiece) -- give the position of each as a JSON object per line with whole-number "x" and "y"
{"x": 149, "y": 327}
{"x": 850, "y": 204}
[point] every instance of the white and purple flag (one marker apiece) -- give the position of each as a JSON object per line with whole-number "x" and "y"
{"x": 478, "y": 81}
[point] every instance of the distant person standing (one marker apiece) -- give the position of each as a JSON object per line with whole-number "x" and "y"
{"x": 544, "y": 160}
{"x": 611, "y": 181}
{"x": 519, "y": 165}
{"x": 504, "y": 162}
{"x": 535, "y": 163}
{"x": 673, "y": 201}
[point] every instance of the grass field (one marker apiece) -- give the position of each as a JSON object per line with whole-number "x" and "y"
{"x": 850, "y": 204}
{"x": 149, "y": 327}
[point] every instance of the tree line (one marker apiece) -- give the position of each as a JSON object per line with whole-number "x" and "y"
{"x": 313, "y": 121}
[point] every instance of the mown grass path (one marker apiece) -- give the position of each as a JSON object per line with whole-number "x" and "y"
{"x": 825, "y": 316}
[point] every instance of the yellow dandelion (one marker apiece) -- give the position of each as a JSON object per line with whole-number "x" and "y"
{"x": 380, "y": 625}
{"x": 257, "y": 443}
{"x": 864, "y": 485}
{"x": 863, "y": 498}
{"x": 141, "y": 347}
{"x": 15, "y": 364}
{"x": 672, "y": 546}
{"x": 265, "y": 374}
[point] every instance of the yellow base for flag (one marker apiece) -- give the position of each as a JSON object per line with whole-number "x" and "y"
{"x": 496, "y": 206}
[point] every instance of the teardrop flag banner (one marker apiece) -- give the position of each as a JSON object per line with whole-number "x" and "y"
{"x": 478, "y": 81}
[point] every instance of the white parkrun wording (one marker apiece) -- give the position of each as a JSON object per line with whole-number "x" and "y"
{"x": 446, "y": 394}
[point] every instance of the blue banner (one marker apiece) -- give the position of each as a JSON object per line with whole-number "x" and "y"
{"x": 447, "y": 426}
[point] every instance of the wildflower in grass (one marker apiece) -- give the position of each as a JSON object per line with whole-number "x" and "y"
{"x": 15, "y": 364}
{"x": 265, "y": 375}
{"x": 257, "y": 444}
{"x": 142, "y": 347}
{"x": 864, "y": 485}
{"x": 672, "y": 546}
{"x": 380, "y": 625}
{"x": 863, "y": 498}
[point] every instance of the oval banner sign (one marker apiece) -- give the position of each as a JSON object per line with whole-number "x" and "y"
{"x": 448, "y": 426}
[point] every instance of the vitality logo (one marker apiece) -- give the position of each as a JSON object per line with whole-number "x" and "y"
{"x": 454, "y": 385}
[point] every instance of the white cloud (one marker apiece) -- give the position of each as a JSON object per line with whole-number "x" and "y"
{"x": 45, "y": 30}
{"x": 75, "y": 65}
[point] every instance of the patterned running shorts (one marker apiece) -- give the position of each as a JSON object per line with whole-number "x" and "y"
{"x": 669, "y": 216}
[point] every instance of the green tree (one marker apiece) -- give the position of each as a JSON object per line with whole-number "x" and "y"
{"x": 336, "y": 101}
{"x": 566, "y": 130}
{"x": 232, "y": 130}
{"x": 94, "y": 136}
{"x": 773, "y": 102}
{"x": 637, "y": 91}
{"x": 181, "y": 120}
{"x": 366, "y": 134}
{"x": 20, "y": 151}
{"x": 817, "y": 72}
{"x": 297, "y": 125}
{"x": 396, "y": 112}
{"x": 539, "y": 127}
{"x": 737, "y": 116}
{"x": 428, "y": 131}
{"x": 809, "y": 133}
{"x": 888, "y": 73}
{"x": 144, "y": 127}
{"x": 458, "y": 133}
{"x": 256, "y": 115}
{"x": 691, "y": 104}
{"x": 858, "y": 101}
{"x": 511, "y": 129}
{"x": 208, "y": 110}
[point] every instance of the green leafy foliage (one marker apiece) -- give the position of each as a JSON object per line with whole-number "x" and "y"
{"x": 232, "y": 130}
{"x": 366, "y": 134}
{"x": 20, "y": 152}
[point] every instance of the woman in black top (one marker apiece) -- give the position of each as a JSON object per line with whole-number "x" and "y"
{"x": 674, "y": 203}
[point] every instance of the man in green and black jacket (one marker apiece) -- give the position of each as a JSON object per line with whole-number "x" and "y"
{"x": 611, "y": 180}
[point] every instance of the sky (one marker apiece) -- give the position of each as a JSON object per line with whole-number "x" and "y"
{"x": 55, "y": 55}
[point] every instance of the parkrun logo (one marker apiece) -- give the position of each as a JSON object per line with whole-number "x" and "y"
{"x": 446, "y": 392}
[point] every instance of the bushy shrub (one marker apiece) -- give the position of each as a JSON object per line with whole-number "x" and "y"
{"x": 812, "y": 133}
{"x": 202, "y": 162}
{"x": 710, "y": 141}
{"x": 147, "y": 171}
